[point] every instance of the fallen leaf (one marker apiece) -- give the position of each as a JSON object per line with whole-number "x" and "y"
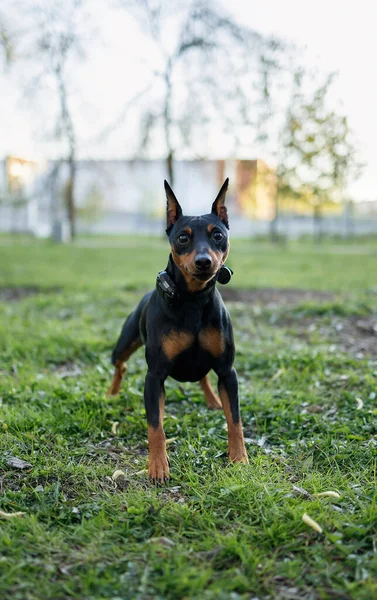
{"x": 314, "y": 408}
{"x": 69, "y": 372}
{"x": 359, "y": 404}
{"x": 141, "y": 472}
{"x": 118, "y": 473}
{"x": 171, "y": 440}
{"x": 162, "y": 541}
{"x": 114, "y": 427}
{"x": 313, "y": 524}
{"x": 17, "y": 463}
{"x": 5, "y": 515}
{"x": 329, "y": 494}
{"x": 65, "y": 569}
{"x": 277, "y": 374}
{"x": 301, "y": 491}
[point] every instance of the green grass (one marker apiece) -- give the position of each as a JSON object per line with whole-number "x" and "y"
{"x": 216, "y": 530}
{"x": 133, "y": 262}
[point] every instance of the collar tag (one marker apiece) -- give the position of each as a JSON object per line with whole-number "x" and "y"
{"x": 225, "y": 275}
{"x": 166, "y": 286}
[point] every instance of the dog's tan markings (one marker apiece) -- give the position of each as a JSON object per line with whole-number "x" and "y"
{"x": 209, "y": 394}
{"x": 218, "y": 207}
{"x": 217, "y": 259}
{"x": 210, "y": 228}
{"x": 194, "y": 285}
{"x": 177, "y": 258}
{"x": 158, "y": 464}
{"x": 176, "y": 342}
{"x": 222, "y": 213}
{"x": 212, "y": 340}
{"x": 188, "y": 230}
{"x": 186, "y": 263}
{"x": 121, "y": 368}
{"x": 236, "y": 444}
{"x": 173, "y": 209}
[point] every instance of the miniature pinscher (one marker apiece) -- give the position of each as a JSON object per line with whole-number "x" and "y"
{"x": 185, "y": 327}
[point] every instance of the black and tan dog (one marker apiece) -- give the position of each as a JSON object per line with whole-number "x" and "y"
{"x": 185, "y": 327}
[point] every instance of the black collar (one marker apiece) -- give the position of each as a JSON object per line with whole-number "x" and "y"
{"x": 174, "y": 294}
{"x": 166, "y": 287}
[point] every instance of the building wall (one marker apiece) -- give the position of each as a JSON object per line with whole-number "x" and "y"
{"x": 128, "y": 196}
{"x": 256, "y": 189}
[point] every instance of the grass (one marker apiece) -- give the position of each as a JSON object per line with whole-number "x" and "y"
{"x": 133, "y": 262}
{"x": 216, "y": 530}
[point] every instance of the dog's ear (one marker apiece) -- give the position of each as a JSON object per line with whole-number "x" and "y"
{"x": 173, "y": 208}
{"x": 218, "y": 207}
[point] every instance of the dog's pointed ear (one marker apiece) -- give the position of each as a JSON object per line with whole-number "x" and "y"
{"x": 218, "y": 207}
{"x": 173, "y": 208}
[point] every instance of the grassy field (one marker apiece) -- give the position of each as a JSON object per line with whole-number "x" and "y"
{"x": 307, "y": 364}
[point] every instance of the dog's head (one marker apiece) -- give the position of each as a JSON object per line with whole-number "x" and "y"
{"x": 199, "y": 245}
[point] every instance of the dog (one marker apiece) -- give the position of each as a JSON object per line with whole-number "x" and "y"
{"x": 185, "y": 327}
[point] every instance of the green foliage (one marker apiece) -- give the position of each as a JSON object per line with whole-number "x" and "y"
{"x": 319, "y": 156}
{"x": 216, "y": 530}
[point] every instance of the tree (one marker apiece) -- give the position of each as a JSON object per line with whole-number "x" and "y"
{"x": 212, "y": 74}
{"x": 51, "y": 38}
{"x": 6, "y": 44}
{"x": 318, "y": 155}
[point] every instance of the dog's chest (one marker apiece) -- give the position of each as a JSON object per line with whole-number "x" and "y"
{"x": 191, "y": 355}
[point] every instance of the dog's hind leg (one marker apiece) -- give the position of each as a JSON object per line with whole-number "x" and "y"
{"x": 211, "y": 398}
{"x": 121, "y": 365}
{"x": 129, "y": 341}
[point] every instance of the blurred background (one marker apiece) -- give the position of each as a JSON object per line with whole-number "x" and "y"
{"x": 100, "y": 101}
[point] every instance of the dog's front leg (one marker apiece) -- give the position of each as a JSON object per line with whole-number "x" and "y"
{"x": 228, "y": 391}
{"x": 154, "y": 398}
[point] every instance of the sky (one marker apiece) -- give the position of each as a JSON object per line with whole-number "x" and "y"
{"x": 338, "y": 36}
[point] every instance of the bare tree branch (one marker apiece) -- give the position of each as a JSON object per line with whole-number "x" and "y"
{"x": 48, "y": 41}
{"x": 210, "y": 61}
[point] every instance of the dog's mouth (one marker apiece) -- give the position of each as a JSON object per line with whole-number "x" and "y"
{"x": 202, "y": 275}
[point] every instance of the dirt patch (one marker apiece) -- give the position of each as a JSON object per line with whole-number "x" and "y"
{"x": 13, "y": 294}
{"x": 353, "y": 335}
{"x": 350, "y": 334}
{"x": 68, "y": 369}
{"x": 272, "y": 297}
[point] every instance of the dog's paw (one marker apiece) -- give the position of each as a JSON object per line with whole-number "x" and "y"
{"x": 158, "y": 469}
{"x": 239, "y": 457}
{"x": 214, "y": 403}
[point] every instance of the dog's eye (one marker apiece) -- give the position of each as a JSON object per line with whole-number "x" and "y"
{"x": 217, "y": 236}
{"x": 183, "y": 239}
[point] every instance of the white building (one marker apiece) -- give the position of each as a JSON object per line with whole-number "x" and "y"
{"x": 112, "y": 196}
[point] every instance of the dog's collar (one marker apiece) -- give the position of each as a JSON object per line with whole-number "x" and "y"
{"x": 168, "y": 289}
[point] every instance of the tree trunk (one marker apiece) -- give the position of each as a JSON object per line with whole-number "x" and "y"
{"x": 70, "y": 198}
{"x": 168, "y": 122}
{"x": 274, "y": 223}
{"x": 69, "y": 131}
{"x": 317, "y": 221}
{"x": 350, "y": 229}
{"x": 170, "y": 167}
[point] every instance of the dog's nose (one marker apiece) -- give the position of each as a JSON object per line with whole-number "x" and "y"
{"x": 203, "y": 262}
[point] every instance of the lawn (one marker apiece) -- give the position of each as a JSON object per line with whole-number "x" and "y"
{"x": 305, "y": 321}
